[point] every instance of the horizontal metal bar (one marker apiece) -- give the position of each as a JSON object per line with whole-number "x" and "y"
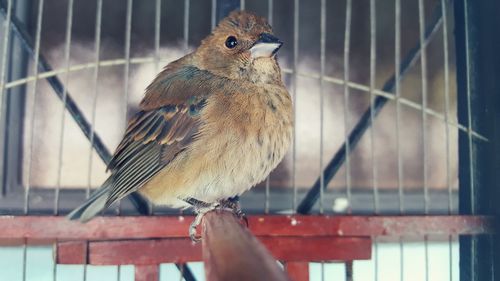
{"x": 365, "y": 121}
{"x": 106, "y": 228}
{"x": 42, "y": 197}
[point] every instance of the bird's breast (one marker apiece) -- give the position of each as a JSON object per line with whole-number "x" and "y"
{"x": 247, "y": 135}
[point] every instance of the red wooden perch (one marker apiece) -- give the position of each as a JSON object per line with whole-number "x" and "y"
{"x": 294, "y": 240}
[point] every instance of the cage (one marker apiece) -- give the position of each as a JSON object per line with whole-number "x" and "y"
{"x": 391, "y": 175}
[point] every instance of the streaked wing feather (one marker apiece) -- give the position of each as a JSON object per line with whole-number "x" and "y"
{"x": 152, "y": 140}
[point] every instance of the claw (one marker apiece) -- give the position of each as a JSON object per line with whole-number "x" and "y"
{"x": 193, "y": 226}
{"x": 201, "y": 210}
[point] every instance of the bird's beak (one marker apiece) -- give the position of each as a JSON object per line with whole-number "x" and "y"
{"x": 266, "y": 46}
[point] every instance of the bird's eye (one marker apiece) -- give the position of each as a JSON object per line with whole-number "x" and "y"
{"x": 231, "y": 42}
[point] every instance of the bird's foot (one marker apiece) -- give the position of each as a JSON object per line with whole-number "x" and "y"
{"x": 201, "y": 208}
{"x": 233, "y": 204}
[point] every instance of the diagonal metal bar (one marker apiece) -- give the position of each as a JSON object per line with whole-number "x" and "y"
{"x": 366, "y": 119}
{"x": 185, "y": 272}
{"x": 22, "y": 33}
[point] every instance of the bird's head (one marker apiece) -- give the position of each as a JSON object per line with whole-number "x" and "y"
{"x": 242, "y": 46}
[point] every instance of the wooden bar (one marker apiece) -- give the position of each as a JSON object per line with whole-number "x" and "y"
{"x": 231, "y": 252}
{"x": 181, "y": 250}
{"x": 147, "y": 272}
{"x": 298, "y": 271}
{"x": 112, "y": 228}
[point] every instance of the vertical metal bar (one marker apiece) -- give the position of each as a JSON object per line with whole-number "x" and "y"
{"x": 157, "y": 34}
{"x": 322, "y": 271}
{"x": 397, "y": 63}
{"x": 151, "y": 208}
{"x": 322, "y": 101}
{"x": 294, "y": 90}
{"x": 33, "y": 106}
{"x": 67, "y": 48}
{"x": 12, "y": 124}
{"x": 97, "y": 50}
{"x": 224, "y": 7}
{"x": 397, "y": 91}
{"x": 126, "y": 72}
{"x": 401, "y": 259}
{"x": 375, "y": 259}
{"x": 447, "y": 105}
{"x": 186, "y": 24}
{"x": 373, "y": 63}
{"x": 373, "y": 75}
{"x": 348, "y": 271}
{"x": 423, "y": 68}
{"x": 128, "y": 30}
{"x": 3, "y": 81}
{"x": 447, "y": 128}
{"x": 213, "y": 15}
{"x": 347, "y": 40}
{"x": 242, "y": 5}
{"x": 270, "y": 10}
{"x": 477, "y": 57}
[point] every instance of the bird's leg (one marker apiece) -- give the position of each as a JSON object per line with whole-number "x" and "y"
{"x": 233, "y": 204}
{"x": 200, "y": 208}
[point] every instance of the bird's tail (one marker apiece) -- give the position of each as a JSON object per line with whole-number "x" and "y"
{"x": 94, "y": 204}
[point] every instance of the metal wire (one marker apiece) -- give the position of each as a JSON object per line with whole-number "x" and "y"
{"x": 447, "y": 128}
{"x": 397, "y": 63}
{"x": 375, "y": 258}
{"x": 469, "y": 125}
{"x": 157, "y": 63}
{"x": 97, "y": 48}
{"x": 373, "y": 75}
{"x": 423, "y": 68}
{"x": 322, "y": 101}
{"x": 157, "y": 34}
{"x": 3, "y": 70}
{"x": 33, "y": 107}
{"x": 186, "y": 24}
{"x": 69, "y": 24}
{"x": 347, "y": 41}
{"x": 126, "y": 74}
{"x": 294, "y": 90}
{"x": 213, "y": 13}
{"x": 270, "y": 7}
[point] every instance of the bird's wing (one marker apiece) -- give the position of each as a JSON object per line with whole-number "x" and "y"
{"x": 166, "y": 125}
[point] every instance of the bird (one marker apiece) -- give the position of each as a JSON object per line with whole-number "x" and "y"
{"x": 210, "y": 126}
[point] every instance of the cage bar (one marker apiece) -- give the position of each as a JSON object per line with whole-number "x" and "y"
{"x": 477, "y": 96}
